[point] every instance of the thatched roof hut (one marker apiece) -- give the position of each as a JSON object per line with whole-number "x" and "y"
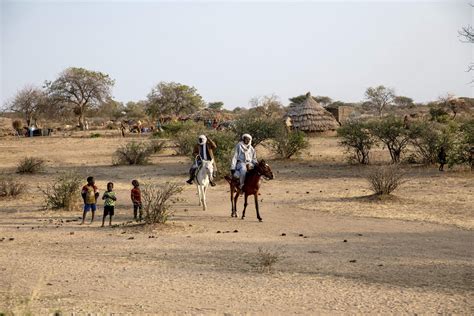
{"x": 311, "y": 117}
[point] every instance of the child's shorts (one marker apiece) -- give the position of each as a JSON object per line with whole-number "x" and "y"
{"x": 89, "y": 207}
{"x": 108, "y": 210}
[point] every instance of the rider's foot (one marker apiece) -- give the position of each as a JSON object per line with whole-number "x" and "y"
{"x": 190, "y": 181}
{"x": 212, "y": 183}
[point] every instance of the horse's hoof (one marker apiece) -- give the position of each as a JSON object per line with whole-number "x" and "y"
{"x": 260, "y": 220}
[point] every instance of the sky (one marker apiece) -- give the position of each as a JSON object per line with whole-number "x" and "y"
{"x": 234, "y": 51}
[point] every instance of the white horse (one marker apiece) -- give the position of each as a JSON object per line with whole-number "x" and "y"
{"x": 203, "y": 176}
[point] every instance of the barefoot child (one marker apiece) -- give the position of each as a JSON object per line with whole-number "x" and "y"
{"x": 109, "y": 204}
{"x": 136, "y": 197}
{"x": 90, "y": 194}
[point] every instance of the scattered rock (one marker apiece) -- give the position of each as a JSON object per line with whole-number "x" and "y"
{"x": 320, "y": 191}
{"x": 352, "y": 261}
{"x": 131, "y": 237}
{"x": 305, "y": 237}
{"x": 71, "y": 233}
{"x": 380, "y": 265}
{"x": 227, "y": 231}
{"x": 49, "y": 284}
{"x": 151, "y": 236}
{"x": 190, "y": 225}
{"x": 11, "y": 238}
{"x": 345, "y": 240}
{"x": 307, "y": 192}
{"x": 185, "y": 209}
{"x": 359, "y": 235}
{"x": 188, "y": 236}
{"x": 218, "y": 232}
{"x": 18, "y": 227}
{"x": 314, "y": 251}
{"x": 123, "y": 232}
{"x": 283, "y": 234}
{"x": 236, "y": 231}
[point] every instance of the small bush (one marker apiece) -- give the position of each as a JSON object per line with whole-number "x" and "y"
{"x": 261, "y": 128}
{"x": 64, "y": 193}
{"x": 156, "y": 202}
{"x": 357, "y": 139}
{"x": 10, "y": 187}
{"x": 287, "y": 144}
{"x": 30, "y": 165}
{"x": 267, "y": 259}
{"x": 95, "y": 135}
{"x": 384, "y": 180}
{"x": 136, "y": 153}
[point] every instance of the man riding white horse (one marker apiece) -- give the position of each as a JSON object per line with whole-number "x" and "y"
{"x": 245, "y": 158}
{"x": 204, "y": 150}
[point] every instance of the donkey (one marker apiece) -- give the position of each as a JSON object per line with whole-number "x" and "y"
{"x": 203, "y": 176}
{"x": 251, "y": 187}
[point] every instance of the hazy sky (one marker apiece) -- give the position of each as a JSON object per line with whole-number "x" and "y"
{"x": 233, "y": 51}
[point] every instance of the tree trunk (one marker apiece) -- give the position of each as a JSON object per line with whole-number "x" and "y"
{"x": 82, "y": 125}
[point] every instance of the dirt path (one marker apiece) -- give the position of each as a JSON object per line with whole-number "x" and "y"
{"x": 341, "y": 263}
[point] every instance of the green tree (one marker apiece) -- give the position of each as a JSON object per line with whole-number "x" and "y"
{"x": 324, "y": 101}
{"x": 392, "y": 132}
{"x": 219, "y": 105}
{"x": 402, "y": 101}
{"x": 82, "y": 89}
{"x": 136, "y": 110}
{"x": 357, "y": 139}
{"x": 171, "y": 98}
{"x": 111, "y": 109}
{"x": 379, "y": 97}
{"x": 29, "y": 102}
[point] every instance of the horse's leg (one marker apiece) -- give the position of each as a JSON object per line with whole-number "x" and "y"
{"x": 204, "y": 204}
{"x": 245, "y": 205}
{"x": 236, "y": 196}
{"x": 256, "y": 207}
{"x": 232, "y": 212}
{"x": 199, "y": 188}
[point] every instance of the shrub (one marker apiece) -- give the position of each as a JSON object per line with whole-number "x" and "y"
{"x": 392, "y": 132}
{"x": 261, "y": 128}
{"x": 425, "y": 137}
{"x": 17, "y": 126}
{"x": 136, "y": 153}
{"x": 95, "y": 135}
{"x": 356, "y": 138}
{"x": 384, "y": 180}
{"x": 64, "y": 193}
{"x": 10, "y": 187}
{"x": 156, "y": 202}
{"x": 267, "y": 259}
{"x": 286, "y": 144}
{"x": 30, "y": 165}
{"x": 460, "y": 142}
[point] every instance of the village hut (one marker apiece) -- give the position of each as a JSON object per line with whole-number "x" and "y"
{"x": 311, "y": 117}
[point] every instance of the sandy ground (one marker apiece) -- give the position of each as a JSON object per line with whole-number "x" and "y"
{"x": 410, "y": 254}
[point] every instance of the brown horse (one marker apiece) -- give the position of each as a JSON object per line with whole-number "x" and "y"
{"x": 251, "y": 186}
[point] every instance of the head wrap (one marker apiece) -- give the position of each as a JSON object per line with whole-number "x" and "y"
{"x": 202, "y": 139}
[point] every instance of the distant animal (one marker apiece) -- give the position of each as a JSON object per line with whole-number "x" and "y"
{"x": 251, "y": 187}
{"x": 203, "y": 176}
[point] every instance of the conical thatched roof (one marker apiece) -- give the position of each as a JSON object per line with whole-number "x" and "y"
{"x": 310, "y": 116}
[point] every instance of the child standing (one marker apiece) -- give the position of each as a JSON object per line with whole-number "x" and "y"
{"x": 109, "y": 204}
{"x": 89, "y": 194}
{"x": 136, "y": 197}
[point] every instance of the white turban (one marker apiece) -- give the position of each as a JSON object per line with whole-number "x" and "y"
{"x": 202, "y": 139}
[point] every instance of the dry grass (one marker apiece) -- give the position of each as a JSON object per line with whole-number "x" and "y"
{"x": 30, "y": 165}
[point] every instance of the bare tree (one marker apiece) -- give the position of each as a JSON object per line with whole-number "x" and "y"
{"x": 29, "y": 102}
{"x": 268, "y": 106}
{"x": 380, "y": 97}
{"x": 82, "y": 89}
{"x": 467, "y": 36}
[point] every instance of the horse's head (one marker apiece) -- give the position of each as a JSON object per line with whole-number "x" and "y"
{"x": 264, "y": 169}
{"x": 208, "y": 166}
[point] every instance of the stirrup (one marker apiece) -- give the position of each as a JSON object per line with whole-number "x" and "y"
{"x": 190, "y": 181}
